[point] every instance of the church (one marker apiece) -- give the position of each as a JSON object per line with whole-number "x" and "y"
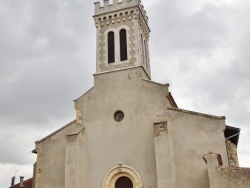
{"x": 129, "y": 131}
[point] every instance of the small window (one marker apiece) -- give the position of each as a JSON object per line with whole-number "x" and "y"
{"x": 123, "y": 45}
{"x": 124, "y": 182}
{"x": 111, "y": 47}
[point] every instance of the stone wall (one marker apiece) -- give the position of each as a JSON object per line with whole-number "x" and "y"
{"x": 226, "y": 177}
{"x": 232, "y": 154}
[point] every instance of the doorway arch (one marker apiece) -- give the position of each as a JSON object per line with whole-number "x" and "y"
{"x": 123, "y": 182}
{"x": 122, "y": 173}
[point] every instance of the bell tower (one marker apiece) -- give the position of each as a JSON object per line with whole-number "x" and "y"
{"x": 122, "y": 35}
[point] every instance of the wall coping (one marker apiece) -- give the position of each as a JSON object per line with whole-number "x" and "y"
{"x": 197, "y": 113}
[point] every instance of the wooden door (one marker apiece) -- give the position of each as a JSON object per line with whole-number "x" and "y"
{"x": 124, "y": 182}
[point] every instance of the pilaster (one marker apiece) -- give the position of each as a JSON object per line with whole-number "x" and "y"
{"x": 164, "y": 162}
{"x": 38, "y": 167}
{"x": 75, "y": 160}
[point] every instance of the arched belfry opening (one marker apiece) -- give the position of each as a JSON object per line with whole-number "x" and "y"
{"x": 111, "y": 47}
{"x": 123, "y": 45}
{"x": 124, "y": 182}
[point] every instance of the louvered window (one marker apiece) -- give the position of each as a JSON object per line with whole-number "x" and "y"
{"x": 123, "y": 45}
{"x": 111, "y": 47}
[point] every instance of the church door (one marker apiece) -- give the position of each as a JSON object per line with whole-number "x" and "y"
{"x": 124, "y": 182}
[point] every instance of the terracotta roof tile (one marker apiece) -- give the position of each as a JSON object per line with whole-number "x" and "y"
{"x": 26, "y": 184}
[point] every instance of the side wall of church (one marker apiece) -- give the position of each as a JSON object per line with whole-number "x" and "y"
{"x": 75, "y": 162}
{"x": 131, "y": 141}
{"x": 193, "y": 135}
{"x": 51, "y": 159}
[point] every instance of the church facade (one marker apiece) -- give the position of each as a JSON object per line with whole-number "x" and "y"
{"x": 129, "y": 132}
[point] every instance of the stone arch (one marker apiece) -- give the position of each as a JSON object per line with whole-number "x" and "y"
{"x": 121, "y": 171}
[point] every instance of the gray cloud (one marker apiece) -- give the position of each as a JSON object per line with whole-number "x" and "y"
{"x": 15, "y": 151}
{"x": 198, "y": 31}
{"x": 41, "y": 63}
{"x": 203, "y": 53}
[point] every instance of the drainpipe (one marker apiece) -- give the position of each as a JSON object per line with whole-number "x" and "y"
{"x": 227, "y": 144}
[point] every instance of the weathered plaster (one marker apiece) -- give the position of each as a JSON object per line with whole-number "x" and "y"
{"x": 224, "y": 176}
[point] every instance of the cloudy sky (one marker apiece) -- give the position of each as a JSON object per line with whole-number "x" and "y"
{"x": 47, "y": 58}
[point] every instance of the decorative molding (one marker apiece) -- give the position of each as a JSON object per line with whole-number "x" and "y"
{"x": 119, "y": 15}
{"x": 114, "y": 17}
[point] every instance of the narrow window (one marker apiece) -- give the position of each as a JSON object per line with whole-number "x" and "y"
{"x": 123, "y": 182}
{"x": 111, "y": 47}
{"x": 123, "y": 45}
{"x": 148, "y": 66}
{"x": 146, "y": 54}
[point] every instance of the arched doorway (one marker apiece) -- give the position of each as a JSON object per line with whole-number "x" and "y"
{"x": 124, "y": 182}
{"x": 122, "y": 177}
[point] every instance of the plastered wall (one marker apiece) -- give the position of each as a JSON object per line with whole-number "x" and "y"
{"x": 226, "y": 177}
{"x": 131, "y": 141}
{"x": 163, "y": 145}
{"x": 195, "y": 134}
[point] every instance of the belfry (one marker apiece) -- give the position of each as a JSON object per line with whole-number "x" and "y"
{"x": 129, "y": 131}
{"x": 122, "y": 36}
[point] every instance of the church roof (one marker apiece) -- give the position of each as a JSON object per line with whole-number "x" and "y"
{"x": 39, "y": 141}
{"x": 171, "y": 100}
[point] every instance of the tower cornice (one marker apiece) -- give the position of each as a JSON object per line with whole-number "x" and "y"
{"x": 135, "y": 12}
{"x": 112, "y": 9}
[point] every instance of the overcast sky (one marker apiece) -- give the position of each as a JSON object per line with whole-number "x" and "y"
{"x": 47, "y": 58}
